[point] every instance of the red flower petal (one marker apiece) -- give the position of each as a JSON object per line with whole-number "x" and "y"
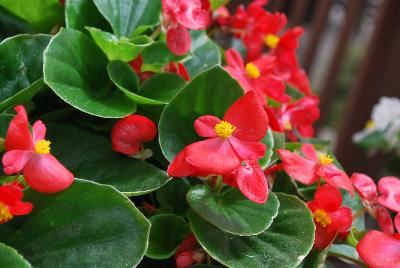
{"x": 384, "y": 220}
{"x": 137, "y": 63}
{"x": 323, "y": 237}
{"x": 179, "y": 167}
{"x": 397, "y": 222}
{"x": 18, "y": 136}
{"x": 21, "y": 208}
{"x": 249, "y": 150}
{"x": 389, "y": 188}
{"x": 364, "y": 186}
{"x": 183, "y": 72}
{"x": 128, "y": 134}
{"x": 45, "y": 174}
{"x": 234, "y": 59}
{"x": 252, "y": 182}
{"x": 193, "y": 14}
{"x": 309, "y": 152}
{"x": 184, "y": 259}
{"x": 178, "y": 40}
{"x": 212, "y": 156}
{"x": 298, "y": 168}
{"x": 38, "y": 131}
{"x": 379, "y": 250}
{"x": 341, "y": 219}
{"x": 336, "y": 177}
{"x": 299, "y": 80}
{"x": 14, "y": 161}
{"x": 290, "y": 39}
{"x": 10, "y": 194}
{"x": 328, "y": 198}
{"x": 205, "y": 126}
{"x": 249, "y": 118}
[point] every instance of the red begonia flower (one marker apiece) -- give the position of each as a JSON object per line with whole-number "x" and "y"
{"x": 251, "y": 181}
{"x": 384, "y": 219}
{"x": 177, "y": 68}
{"x": 308, "y": 169}
{"x": 31, "y": 155}
{"x": 365, "y": 187}
{"x": 189, "y": 252}
{"x": 389, "y": 189}
{"x": 129, "y": 133}
{"x": 136, "y": 65}
{"x": 181, "y": 15}
{"x": 397, "y": 222}
{"x": 231, "y": 140}
{"x": 379, "y": 250}
{"x": 11, "y": 204}
{"x": 329, "y": 217}
{"x": 256, "y": 76}
{"x": 299, "y": 80}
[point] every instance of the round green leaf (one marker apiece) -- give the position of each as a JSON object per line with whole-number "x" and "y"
{"x": 127, "y": 81}
{"x": 162, "y": 87}
{"x": 87, "y": 225}
{"x": 82, "y": 13}
{"x": 89, "y": 156}
{"x": 211, "y": 92}
{"x": 231, "y": 211}
{"x": 41, "y": 14}
{"x": 166, "y": 233}
{"x": 75, "y": 69}
{"x": 125, "y": 16}
{"x": 21, "y": 68}
{"x": 203, "y": 53}
{"x": 158, "y": 55}
{"x": 119, "y": 48}
{"x": 285, "y": 244}
{"x": 173, "y": 195}
{"x": 10, "y": 258}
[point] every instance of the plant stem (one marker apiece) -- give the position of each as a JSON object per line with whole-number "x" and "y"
{"x": 156, "y": 33}
{"x": 218, "y": 184}
{"x": 360, "y": 213}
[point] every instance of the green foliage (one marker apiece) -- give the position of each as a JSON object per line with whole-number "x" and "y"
{"x": 10, "y": 258}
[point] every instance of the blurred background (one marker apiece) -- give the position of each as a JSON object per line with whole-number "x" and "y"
{"x": 351, "y": 52}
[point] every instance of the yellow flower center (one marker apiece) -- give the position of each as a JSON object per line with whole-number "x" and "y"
{"x": 271, "y": 40}
{"x": 252, "y": 70}
{"x": 42, "y": 147}
{"x": 287, "y": 126}
{"x": 325, "y": 159}
{"x": 224, "y": 129}
{"x": 321, "y": 217}
{"x": 370, "y": 124}
{"x": 5, "y": 214}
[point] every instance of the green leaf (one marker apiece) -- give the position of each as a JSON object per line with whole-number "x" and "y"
{"x": 89, "y": 156}
{"x": 268, "y": 140}
{"x": 173, "y": 195}
{"x": 125, "y": 16}
{"x": 41, "y": 14}
{"x": 203, "y": 54}
{"x": 279, "y": 143}
{"x": 211, "y": 92}
{"x": 285, "y": 244}
{"x": 166, "y": 233}
{"x": 21, "y": 68}
{"x": 232, "y": 212}
{"x": 115, "y": 48}
{"x": 315, "y": 259}
{"x": 158, "y": 55}
{"x": 75, "y": 69}
{"x": 87, "y": 225}
{"x": 218, "y": 3}
{"x": 82, "y": 13}
{"x": 125, "y": 78}
{"x": 10, "y": 258}
{"x": 162, "y": 87}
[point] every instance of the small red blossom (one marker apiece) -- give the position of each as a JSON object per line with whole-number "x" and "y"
{"x": 189, "y": 252}
{"x": 11, "y": 204}
{"x": 177, "y": 68}
{"x": 129, "y": 133}
{"x": 256, "y": 76}
{"x": 379, "y": 250}
{"x": 329, "y": 217}
{"x": 181, "y": 15}
{"x": 251, "y": 181}
{"x": 389, "y": 189}
{"x": 231, "y": 140}
{"x": 365, "y": 187}
{"x": 31, "y": 155}
{"x": 310, "y": 168}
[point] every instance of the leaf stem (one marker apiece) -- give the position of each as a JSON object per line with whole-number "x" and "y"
{"x": 156, "y": 33}
{"x": 218, "y": 184}
{"x": 359, "y": 213}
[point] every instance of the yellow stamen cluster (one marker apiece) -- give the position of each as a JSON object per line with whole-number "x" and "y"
{"x": 42, "y": 147}
{"x": 5, "y": 214}
{"x": 370, "y": 124}
{"x": 271, "y": 40}
{"x": 224, "y": 129}
{"x": 252, "y": 70}
{"x": 287, "y": 126}
{"x": 321, "y": 217}
{"x": 325, "y": 159}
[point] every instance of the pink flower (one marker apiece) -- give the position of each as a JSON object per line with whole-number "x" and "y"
{"x": 180, "y": 15}
{"x": 256, "y": 76}
{"x": 31, "y": 155}
{"x": 389, "y": 189}
{"x": 311, "y": 167}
